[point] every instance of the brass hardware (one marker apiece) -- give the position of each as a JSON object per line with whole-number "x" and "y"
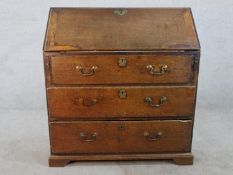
{"x": 153, "y": 71}
{"x": 122, "y": 94}
{"x": 149, "y": 101}
{"x": 87, "y": 72}
{"x": 88, "y": 137}
{"x": 120, "y": 12}
{"x": 122, "y": 62}
{"x": 153, "y": 137}
{"x": 85, "y": 102}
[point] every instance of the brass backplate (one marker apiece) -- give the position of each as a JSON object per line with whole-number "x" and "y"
{"x": 122, "y": 94}
{"x": 122, "y": 62}
{"x": 120, "y": 12}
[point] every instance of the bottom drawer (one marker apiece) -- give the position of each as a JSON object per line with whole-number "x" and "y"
{"x": 121, "y": 136}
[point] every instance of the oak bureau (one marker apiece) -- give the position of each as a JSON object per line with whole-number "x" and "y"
{"x": 121, "y": 84}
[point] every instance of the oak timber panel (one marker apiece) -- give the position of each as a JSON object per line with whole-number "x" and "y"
{"x": 120, "y": 137}
{"x": 64, "y": 71}
{"x": 81, "y": 29}
{"x": 104, "y": 102}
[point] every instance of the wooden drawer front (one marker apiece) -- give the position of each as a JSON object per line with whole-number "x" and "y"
{"x": 110, "y": 102}
{"x": 121, "y": 137}
{"x": 104, "y": 69}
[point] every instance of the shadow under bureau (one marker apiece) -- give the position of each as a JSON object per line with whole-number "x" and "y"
{"x": 121, "y": 84}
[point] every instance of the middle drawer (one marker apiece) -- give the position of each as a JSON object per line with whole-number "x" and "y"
{"x": 120, "y": 102}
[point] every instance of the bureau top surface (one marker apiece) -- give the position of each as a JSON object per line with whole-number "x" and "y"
{"x": 131, "y": 29}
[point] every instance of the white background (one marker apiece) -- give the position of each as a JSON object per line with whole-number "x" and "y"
{"x": 24, "y": 144}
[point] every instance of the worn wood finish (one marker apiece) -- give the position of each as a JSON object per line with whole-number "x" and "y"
{"x": 104, "y": 102}
{"x": 91, "y": 105}
{"x": 120, "y": 137}
{"x": 102, "y": 29}
{"x": 64, "y": 71}
{"x": 178, "y": 158}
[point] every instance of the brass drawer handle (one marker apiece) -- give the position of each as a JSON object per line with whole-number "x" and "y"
{"x": 88, "y": 137}
{"x": 87, "y": 72}
{"x": 153, "y": 71}
{"x": 85, "y": 101}
{"x": 149, "y": 101}
{"x": 153, "y": 137}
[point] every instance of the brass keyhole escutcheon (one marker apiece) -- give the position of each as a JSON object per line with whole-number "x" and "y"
{"x": 120, "y": 12}
{"x": 122, "y": 94}
{"x": 122, "y": 62}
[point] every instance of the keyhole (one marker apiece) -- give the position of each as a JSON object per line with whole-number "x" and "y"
{"x": 121, "y": 127}
{"x": 122, "y": 62}
{"x": 122, "y": 93}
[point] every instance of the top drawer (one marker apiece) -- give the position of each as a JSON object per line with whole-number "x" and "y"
{"x": 121, "y": 69}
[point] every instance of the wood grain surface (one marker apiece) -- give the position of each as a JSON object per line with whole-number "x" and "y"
{"x": 120, "y": 137}
{"x": 104, "y": 102}
{"x": 178, "y": 158}
{"x": 64, "y": 71}
{"x": 99, "y": 110}
{"x": 80, "y": 29}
